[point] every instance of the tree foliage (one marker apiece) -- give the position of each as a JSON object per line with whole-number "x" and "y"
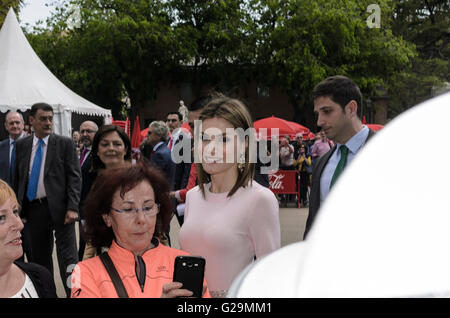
{"x": 305, "y": 41}
{"x": 5, "y": 5}
{"x": 426, "y": 24}
{"x": 136, "y": 46}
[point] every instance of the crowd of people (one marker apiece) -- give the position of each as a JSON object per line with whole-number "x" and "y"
{"x": 124, "y": 203}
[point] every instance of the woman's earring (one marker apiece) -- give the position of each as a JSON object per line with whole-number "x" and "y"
{"x": 241, "y": 165}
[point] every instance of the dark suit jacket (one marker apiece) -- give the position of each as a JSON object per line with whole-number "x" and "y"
{"x": 4, "y": 161}
{"x": 162, "y": 159}
{"x": 314, "y": 197}
{"x": 87, "y": 179}
{"x": 62, "y": 176}
{"x": 41, "y": 278}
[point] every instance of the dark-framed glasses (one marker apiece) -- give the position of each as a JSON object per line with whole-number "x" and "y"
{"x": 148, "y": 210}
{"x": 87, "y": 131}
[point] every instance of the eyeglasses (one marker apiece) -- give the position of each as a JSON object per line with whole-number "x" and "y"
{"x": 149, "y": 210}
{"x": 172, "y": 120}
{"x": 87, "y": 131}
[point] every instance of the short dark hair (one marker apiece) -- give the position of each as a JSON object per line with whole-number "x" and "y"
{"x": 103, "y": 130}
{"x": 124, "y": 178}
{"x": 180, "y": 117}
{"x": 42, "y": 106}
{"x": 340, "y": 89}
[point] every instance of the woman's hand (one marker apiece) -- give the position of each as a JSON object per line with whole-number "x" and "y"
{"x": 172, "y": 290}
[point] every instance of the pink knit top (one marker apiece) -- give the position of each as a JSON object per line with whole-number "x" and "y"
{"x": 229, "y": 232}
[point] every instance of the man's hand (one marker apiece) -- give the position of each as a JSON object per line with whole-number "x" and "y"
{"x": 71, "y": 216}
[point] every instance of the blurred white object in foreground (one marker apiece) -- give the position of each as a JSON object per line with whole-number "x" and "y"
{"x": 384, "y": 230}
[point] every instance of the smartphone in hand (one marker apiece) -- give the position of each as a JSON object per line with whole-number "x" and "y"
{"x": 190, "y": 271}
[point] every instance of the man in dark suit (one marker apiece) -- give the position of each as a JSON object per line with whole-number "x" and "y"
{"x": 160, "y": 156}
{"x": 14, "y": 125}
{"x": 88, "y": 130}
{"x": 336, "y": 103}
{"x": 47, "y": 182}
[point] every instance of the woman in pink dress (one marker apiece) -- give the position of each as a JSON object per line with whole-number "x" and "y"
{"x": 229, "y": 220}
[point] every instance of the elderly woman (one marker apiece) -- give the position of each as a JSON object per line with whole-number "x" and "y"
{"x": 128, "y": 209}
{"x": 17, "y": 279}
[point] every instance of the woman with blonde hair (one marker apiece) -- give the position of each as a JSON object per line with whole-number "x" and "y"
{"x": 229, "y": 220}
{"x": 18, "y": 279}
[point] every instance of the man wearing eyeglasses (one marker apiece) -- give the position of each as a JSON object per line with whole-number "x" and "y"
{"x": 47, "y": 181}
{"x": 88, "y": 129}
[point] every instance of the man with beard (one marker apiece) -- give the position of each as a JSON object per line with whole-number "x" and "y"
{"x": 87, "y": 133}
{"x": 336, "y": 102}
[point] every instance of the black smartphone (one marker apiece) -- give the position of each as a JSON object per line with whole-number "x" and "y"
{"x": 190, "y": 271}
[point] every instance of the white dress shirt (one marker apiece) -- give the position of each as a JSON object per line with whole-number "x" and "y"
{"x": 354, "y": 145}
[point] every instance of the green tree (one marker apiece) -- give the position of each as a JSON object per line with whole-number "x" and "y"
{"x": 217, "y": 40}
{"x": 426, "y": 25}
{"x": 115, "y": 46}
{"x": 6, "y": 4}
{"x": 302, "y": 42}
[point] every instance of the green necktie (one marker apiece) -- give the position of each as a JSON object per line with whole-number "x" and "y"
{"x": 341, "y": 165}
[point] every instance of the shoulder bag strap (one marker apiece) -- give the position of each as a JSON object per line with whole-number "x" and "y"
{"x": 111, "y": 269}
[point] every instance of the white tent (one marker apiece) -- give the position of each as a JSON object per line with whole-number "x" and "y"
{"x": 25, "y": 80}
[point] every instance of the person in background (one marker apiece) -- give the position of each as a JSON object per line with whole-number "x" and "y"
{"x": 321, "y": 146}
{"x": 47, "y": 181}
{"x": 160, "y": 156}
{"x": 301, "y": 163}
{"x": 14, "y": 125}
{"x": 88, "y": 129}
{"x": 128, "y": 209}
{"x": 27, "y": 129}
{"x": 179, "y": 193}
{"x": 296, "y": 143}
{"x": 18, "y": 279}
{"x": 173, "y": 122}
{"x": 229, "y": 220}
{"x": 76, "y": 141}
{"x": 111, "y": 148}
{"x": 286, "y": 154}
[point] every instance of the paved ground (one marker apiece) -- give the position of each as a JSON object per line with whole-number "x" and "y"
{"x": 292, "y": 222}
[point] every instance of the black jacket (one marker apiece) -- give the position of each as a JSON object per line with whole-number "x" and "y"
{"x": 314, "y": 198}
{"x": 41, "y": 278}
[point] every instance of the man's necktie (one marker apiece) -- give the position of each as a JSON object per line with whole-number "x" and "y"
{"x": 170, "y": 143}
{"x": 35, "y": 172}
{"x": 13, "y": 158}
{"x": 83, "y": 154}
{"x": 341, "y": 164}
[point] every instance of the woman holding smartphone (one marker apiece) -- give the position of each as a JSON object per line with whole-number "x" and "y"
{"x": 229, "y": 220}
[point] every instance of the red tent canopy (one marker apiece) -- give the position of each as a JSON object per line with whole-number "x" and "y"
{"x": 298, "y": 128}
{"x": 284, "y": 127}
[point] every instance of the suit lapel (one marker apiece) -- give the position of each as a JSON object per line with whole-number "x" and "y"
{"x": 51, "y": 149}
{"x": 28, "y": 149}
{"x": 324, "y": 162}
